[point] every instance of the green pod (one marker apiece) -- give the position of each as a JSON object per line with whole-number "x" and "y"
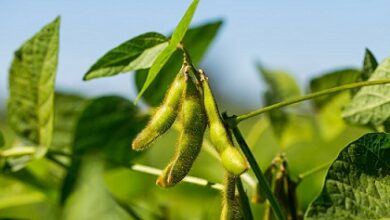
{"x": 194, "y": 121}
{"x": 232, "y": 160}
{"x": 230, "y": 205}
{"x": 164, "y": 116}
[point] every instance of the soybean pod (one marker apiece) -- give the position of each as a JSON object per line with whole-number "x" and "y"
{"x": 194, "y": 122}
{"x": 230, "y": 205}
{"x": 231, "y": 158}
{"x": 164, "y": 116}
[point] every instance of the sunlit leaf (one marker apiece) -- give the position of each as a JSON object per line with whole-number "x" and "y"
{"x": 371, "y": 105}
{"x": 357, "y": 185}
{"x": 329, "y": 107}
{"x": 196, "y": 40}
{"x": 31, "y": 86}
{"x": 164, "y": 56}
{"x": 137, "y": 53}
{"x": 67, "y": 110}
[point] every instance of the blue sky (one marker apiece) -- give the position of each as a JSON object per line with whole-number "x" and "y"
{"x": 304, "y": 37}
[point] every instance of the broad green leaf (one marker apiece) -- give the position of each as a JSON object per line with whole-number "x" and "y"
{"x": 371, "y": 105}
{"x": 369, "y": 65}
{"x": 91, "y": 200}
{"x": 330, "y": 80}
{"x": 18, "y": 201}
{"x": 2, "y": 142}
{"x": 68, "y": 108}
{"x": 106, "y": 125}
{"x": 328, "y": 108}
{"x": 25, "y": 176}
{"x": 137, "y": 53}
{"x": 31, "y": 86}
{"x": 288, "y": 127}
{"x": 357, "y": 185}
{"x": 164, "y": 56}
{"x": 281, "y": 85}
{"x": 197, "y": 41}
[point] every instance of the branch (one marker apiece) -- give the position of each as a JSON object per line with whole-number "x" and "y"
{"x": 244, "y": 201}
{"x": 18, "y": 151}
{"x": 189, "y": 179}
{"x": 315, "y": 170}
{"x": 258, "y": 173}
{"x": 240, "y": 118}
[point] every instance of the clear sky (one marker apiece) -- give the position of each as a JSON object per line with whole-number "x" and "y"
{"x": 304, "y": 37}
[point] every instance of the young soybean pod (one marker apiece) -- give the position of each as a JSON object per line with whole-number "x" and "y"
{"x": 230, "y": 205}
{"x": 231, "y": 158}
{"x": 164, "y": 116}
{"x": 194, "y": 122}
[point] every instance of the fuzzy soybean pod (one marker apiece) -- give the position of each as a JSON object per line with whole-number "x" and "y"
{"x": 194, "y": 122}
{"x": 231, "y": 158}
{"x": 164, "y": 116}
{"x": 230, "y": 205}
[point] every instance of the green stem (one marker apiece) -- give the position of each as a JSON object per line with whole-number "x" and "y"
{"x": 244, "y": 201}
{"x": 56, "y": 161}
{"x": 188, "y": 179}
{"x": 18, "y": 151}
{"x": 127, "y": 207}
{"x": 310, "y": 96}
{"x": 258, "y": 173}
{"x": 59, "y": 153}
{"x": 315, "y": 170}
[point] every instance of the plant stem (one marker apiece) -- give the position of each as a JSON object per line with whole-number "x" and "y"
{"x": 315, "y": 170}
{"x": 188, "y": 179}
{"x": 240, "y": 118}
{"x": 258, "y": 173}
{"x": 56, "y": 161}
{"x": 244, "y": 201}
{"x": 18, "y": 151}
{"x": 59, "y": 153}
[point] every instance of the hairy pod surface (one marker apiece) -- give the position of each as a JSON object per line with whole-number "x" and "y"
{"x": 230, "y": 205}
{"x": 164, "y": 116}
{"x": 194, "y": 123}
{"x": 232, "y": 159}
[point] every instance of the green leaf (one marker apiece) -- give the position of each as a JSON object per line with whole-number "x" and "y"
{"x": 371, "y": 105}
{"x": 31, "y": 86}
{"x": 281, "y": 85}
{"x": 2, "y": 142}
{"x": 369, "y": 65}
{"x": 357, "y": 184}
{"x": 91, "y": 200}
{"x": 330, "y": 80}
{"x": 106, "y": 125}
{"x": 164, "y": 56}
{"x": 328, "y": 108}
{"x": 288, "y": 127}
{"x": 137, "y": 53}
{"x": 197, "y": 41}
{"x": 68, "y": 108}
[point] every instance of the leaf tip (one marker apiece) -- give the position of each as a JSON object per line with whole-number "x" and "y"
{"x": 86, "y": 76}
